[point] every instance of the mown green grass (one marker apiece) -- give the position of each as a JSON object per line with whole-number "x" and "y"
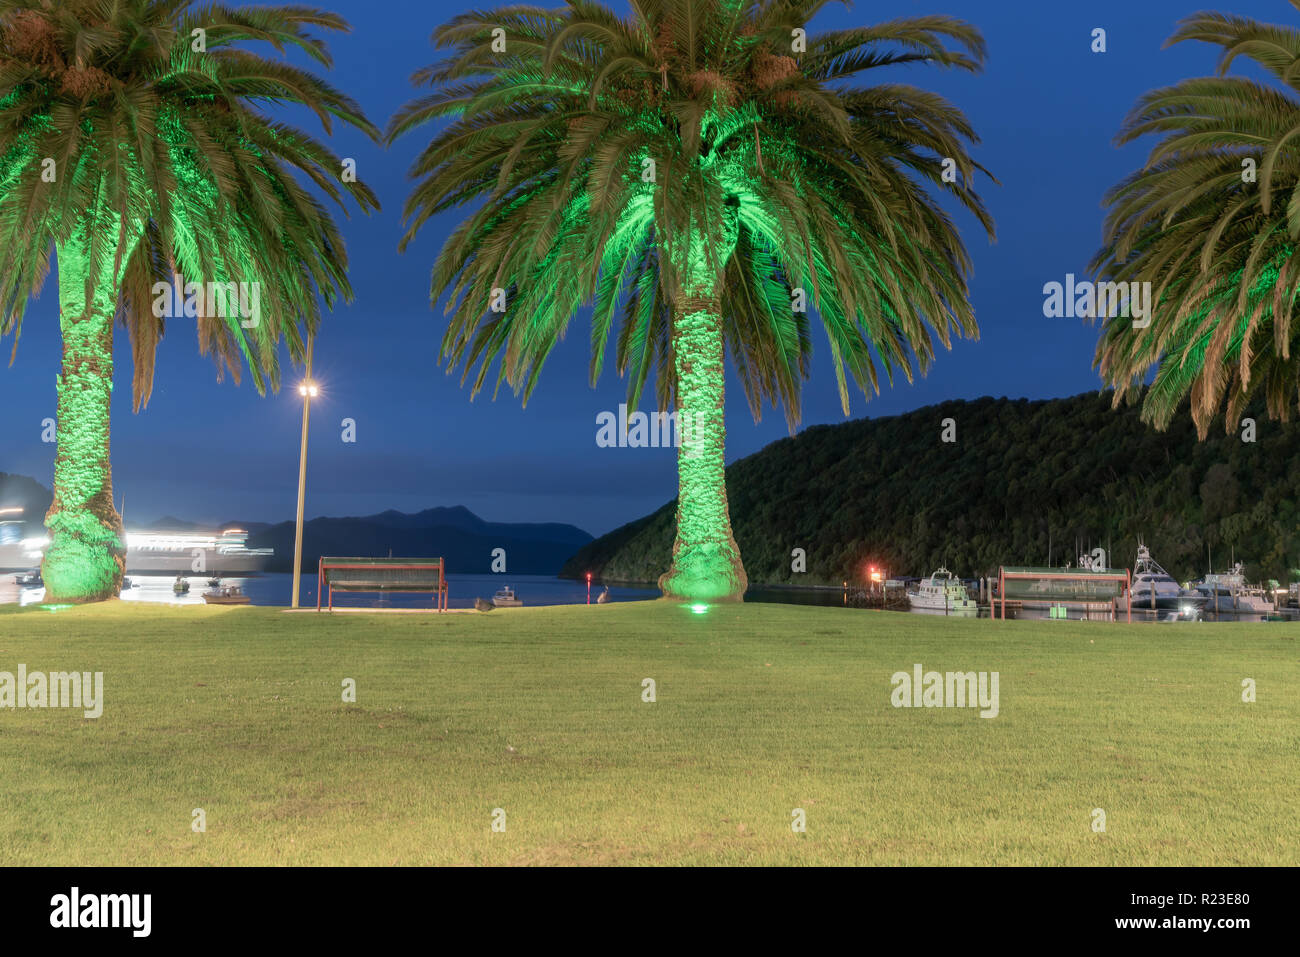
{"x": 761, "y": 709}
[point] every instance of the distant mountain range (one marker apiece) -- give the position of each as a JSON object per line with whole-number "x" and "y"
{"x": 1019, "y": 481}
{"x": 29, "y": 497}
{"x": 466, "y": 541}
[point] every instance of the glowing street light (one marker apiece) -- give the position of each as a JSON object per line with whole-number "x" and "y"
{"x": 308, "y": 390}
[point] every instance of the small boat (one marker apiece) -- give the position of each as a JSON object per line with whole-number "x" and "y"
{"x": 226, "y": 595}
{"x": 126, "y": 584}
{"x": 1155, "y": 588}
{"x": 214, "y": 582}
{"x": 31, "y": 579}
{"x": 1228, "y": 591}
{"x": 180, "y": 586}
{"x": 505, "y": 598}
{"x": 943, "y": 593}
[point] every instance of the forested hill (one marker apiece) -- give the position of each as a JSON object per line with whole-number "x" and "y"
{"x": 889, "y": 491}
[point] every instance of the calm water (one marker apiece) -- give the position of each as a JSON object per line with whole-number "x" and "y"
{"x": 276, "y": 589}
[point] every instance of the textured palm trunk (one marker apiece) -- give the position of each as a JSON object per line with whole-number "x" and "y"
{"x": 86, "y": 556}
{"x": 706, "y": 561}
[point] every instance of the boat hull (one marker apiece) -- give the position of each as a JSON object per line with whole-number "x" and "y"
{"x": 1168, "y": 602}
{"x": 1244, "y": 605}
{"x": 963, "y": 608}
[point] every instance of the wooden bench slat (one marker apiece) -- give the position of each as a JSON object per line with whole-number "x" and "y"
{"x": 386, "y": 575}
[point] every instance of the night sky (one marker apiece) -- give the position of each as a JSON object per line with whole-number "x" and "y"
{"x": 1046, "y": 109}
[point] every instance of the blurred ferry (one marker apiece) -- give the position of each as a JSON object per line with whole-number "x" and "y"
{"x": 190, "y": 552}
{"x": 223, "y": 553}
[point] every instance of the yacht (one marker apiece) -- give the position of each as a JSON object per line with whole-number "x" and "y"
{"x": 505, "y": 598}
{"x": 1228, "y": 591}
{"x": 1153, "y": 587}
{"x": 943, "y": 593}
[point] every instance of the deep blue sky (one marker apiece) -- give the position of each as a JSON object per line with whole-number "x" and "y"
{"x": 1046, "y": 108}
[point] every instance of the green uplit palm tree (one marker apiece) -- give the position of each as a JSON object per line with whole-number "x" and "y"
{"x": 133, "y": 145}
{"x": 711, "y": 167}
{"x": 1211, "y": 222}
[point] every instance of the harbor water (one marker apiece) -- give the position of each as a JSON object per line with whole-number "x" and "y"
{"x": 276, "y": 590}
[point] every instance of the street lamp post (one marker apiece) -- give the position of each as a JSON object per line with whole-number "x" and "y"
{"x": 308, "y": 390}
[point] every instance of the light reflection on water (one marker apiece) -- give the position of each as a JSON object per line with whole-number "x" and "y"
{"x": 274, "y": 590}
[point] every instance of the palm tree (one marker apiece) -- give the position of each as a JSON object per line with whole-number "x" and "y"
{"x": 1211, "y": 222}
{"x": 711, "y": 167}
{"x": 132, "y": 144}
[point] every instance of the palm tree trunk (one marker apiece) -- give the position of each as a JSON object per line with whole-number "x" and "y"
{"x": 706, "y": 561}
{"x": 86, "y": 556}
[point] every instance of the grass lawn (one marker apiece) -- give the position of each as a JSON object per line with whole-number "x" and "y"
{"x": 761, "y": 709}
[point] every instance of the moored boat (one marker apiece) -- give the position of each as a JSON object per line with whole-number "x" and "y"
{"x": 505, "y": 598}
{"x": 31, "y": 579}
{"x": 1228, "y": 592}
{"x": 226, "y": 595}
{"x": 1155, "y": 588}
{"x": 943, "y": 593}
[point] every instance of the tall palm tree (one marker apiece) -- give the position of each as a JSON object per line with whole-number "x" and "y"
{"x": 132, "y": 143}
{"x": 710, "y": 166}
{"x": 1211, "y": 221}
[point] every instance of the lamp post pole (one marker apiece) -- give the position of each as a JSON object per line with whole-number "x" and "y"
{"x": 307, "y": 390}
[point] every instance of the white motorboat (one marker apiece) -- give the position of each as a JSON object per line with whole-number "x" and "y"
{"x": 505, "y": 598}
{"x": 1228, "y": 592}
{"x": 31, "y": 579}
{"x": 226, "y": 595}
{"x": 943, "y": 593}
{"x": 1155, "y": 588}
